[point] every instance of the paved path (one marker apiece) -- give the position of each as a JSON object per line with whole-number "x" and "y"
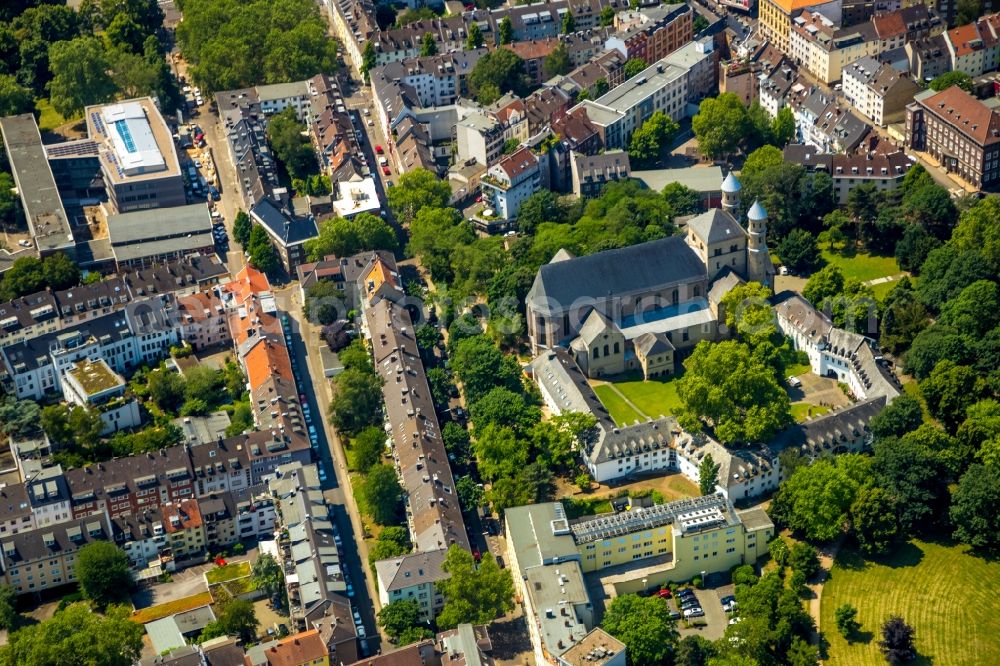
{"x": 622, "y": 396}
{"x": 827, "y": 555}
{"x": 882, "y": 280}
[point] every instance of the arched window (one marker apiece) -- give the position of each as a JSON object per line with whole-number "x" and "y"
{"x": 606, "y": 352}
{"x": 617, "y": 348}
{"x": 597, "y": 352}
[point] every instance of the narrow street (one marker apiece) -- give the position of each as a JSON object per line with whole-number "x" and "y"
{"x": 338, "y": 492}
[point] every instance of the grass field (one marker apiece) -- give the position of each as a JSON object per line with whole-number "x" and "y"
{"x": 171, "y": 607}
{"x": 946, "y": 594}
{"x": 804, "y": 410}
{"x": 50, "y": 118}
{"x": 862, "y": 266}
{"x": 617, "y": 407}
{"x": 228, "y": 572}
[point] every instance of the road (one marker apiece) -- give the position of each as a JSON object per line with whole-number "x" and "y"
{"x": 337, "y": 488}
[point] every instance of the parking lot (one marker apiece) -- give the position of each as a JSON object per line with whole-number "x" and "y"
{"x": 715, "y": 620}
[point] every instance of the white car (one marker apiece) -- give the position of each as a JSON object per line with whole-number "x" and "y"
{"x": 693, "y": 612}
{"x": 371, "y": 123}
{"x": 24, "y": 243}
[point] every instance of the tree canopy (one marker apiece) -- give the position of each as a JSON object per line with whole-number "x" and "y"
{"x": 381, "y": 494}
{"x": 77, "y": 636}
{"x": 644, "y": 625}
{"x": 417, "y": 189}
{"x": 344, "y": 237}
{"x": 816, "y": 498}
{"x": 498, "y": 72}
{"x": 474, "y": 595}
{"x": 103, "y": 572}
{"x": 650, "y": 141}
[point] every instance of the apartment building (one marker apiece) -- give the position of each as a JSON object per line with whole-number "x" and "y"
{"x": 958, "y": 130}
{"x": 289, "y": 226}
{"x": 884, "y": 170}
{"x": 94, "y": 386}
{"x": 974, "y": 48}
{"x": 823, "y": 48}
{"x": 592, "y": 172}
{"x": 230, "y": 517}
{"x": 437, "y": 80}
{"x": 618, "y": 113}
{"x": 776, "y": 18}
{"x": 40, "y": 559}
{"x": 701, "y": 62}
{"x": 928, "y": 58}
{"x": 413, "y": 577}
{"x": 479, "y": 137}
{"x": 877, "y": 90}
{"x": 651, "y": 33}
{"x": 510, "y": 182}
{"x": 549, "y": 554}
{"x": 821, "y": 122}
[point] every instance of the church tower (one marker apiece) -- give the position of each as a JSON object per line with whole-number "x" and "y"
{"x": 759, "y": 265}
{"x": 731, "y": 194}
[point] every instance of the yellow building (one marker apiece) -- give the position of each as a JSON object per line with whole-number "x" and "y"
{"x": 775, "y": 17}
{"x": 640, "y": 547}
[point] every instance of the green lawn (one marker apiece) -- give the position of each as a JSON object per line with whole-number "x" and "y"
{"x": 801, "y": 410}
{"x": 228, "y": 572}
{"x": 796, "y": 369}
{"x": 618, "y": 408}
{"x": 946, "y": 594}
{"x": 50, "y": 118}
{"x": 862, "y": 266}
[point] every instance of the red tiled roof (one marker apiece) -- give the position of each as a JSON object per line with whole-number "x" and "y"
{"x": 517, "y": 162}
{"x": 966, "y": 113}
{"x": 965, "y": 39}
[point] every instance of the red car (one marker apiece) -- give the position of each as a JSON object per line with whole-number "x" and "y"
{"x": 664, "y": 594}
{"x": 386, "y": 172}
{"x": 378, "y": 149}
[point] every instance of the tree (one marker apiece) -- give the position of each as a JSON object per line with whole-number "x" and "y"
{"x": 968, "y": 11}
{"x": 416, "y": 190}
{"x": 826, "y": 283}
{"x": 8, "y": 607}
{"x": 708, "y": 472}
{"x": 19, "y": 418}
{"x": 263, "y": 256}
{"x": 501, "y": 406}
{"x": 914, "y": 477}
{"x": 607, "y": 16}
{"x": 803, "y": 558}
{"x": 77, "y": 636}
{"x": 950, "y": 390}
{"x": 557, "y": 62}
{"x": 816, "y": 499}
{"x": 285, "y": 133}
{"x": 428, "y": 45}
{"x": 473, "y": 595}
{"x": 783, "y": 127}
{"x": 166, "y": 388}
{"x": 357, "y": 400}
{"x": 399, "y": 616}
{"x": 720, "y": 125}
{"x": 456, "y": 441}
{"x": 760, "y": 160}
{"x": 873, "y": 520}
{"x": 542, "y": 206}
{"x": 899, "y": 418}
{"x": 343, "y": 237}
{"x": 933, "y": 345}
{"x": 15, "y": 99}
{"x": 236, "y": 618}
{"x": 470, "y": 494}
{"x": 974, "y": 311}
{"x": 633, "y": 66}
{"x": 649, "y": 141}
{"x": 973, "y": 507}
{"x": 368, "y": 446}
{"x": 644, "y": 625}
{"x": 499, "y": 452}
{"x": 267, "y": 575}
{"x": 735, "y": 392}
{"x": 897, "y": 641}
{"x": 799, "y": 251}
{"x": 506, "y": 30}
{"x": 694, "y": 650}
{"x": 392, "y": 541}
{"x": 952, "y": 78}
{"x": 102, "y": 569}
{"x": 568, "y": 23}
{"x": 80, "y": 75}
{"x": 475, "y": 39}
{"x": 368, "y": 59}
{"x": 501, "y": 68}
{"x": 381, "y": 494}
{"x": 847, "y": 621}
{"x": 241, "y": 228}
{"x": 482, "y": 366}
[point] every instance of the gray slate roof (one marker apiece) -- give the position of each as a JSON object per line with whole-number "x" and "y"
{"x": 620, "y": 271}
{"x": 716, "y": 226}
{"x": 652, "y": 343}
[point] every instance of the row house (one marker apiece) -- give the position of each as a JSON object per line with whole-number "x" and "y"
{"x": 877, "y": 90}
{"x": 44, "y": 558}
{"x": 509, "y": 182}
{"x": 959, "y": 131}
{"x": 131, "y": 484}
{"x": 230, "y": 517}
{"x": 776, "y": 18}
{"x": 592, "y": 172}
{"x": 821, "y": 122}
{"x": 822, "y": 48}
{"x": 974, "y": 48}
{"x": 220, "y": 467}
{"x": 437, "y": 80}
{"x": 928, "y": 58}
{"x": 651, "y": 33}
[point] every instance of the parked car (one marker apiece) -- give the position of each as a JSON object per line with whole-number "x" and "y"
{"x": 378, "y": 150}
{"x": 386, "y": 172}
{"x": 322, "y": 471}
{"x": 674, "y": 615}
{"x": 686, "y": 592}
{"x": 389, "y": 183}
{"x": 350, "y": 590}
{"x": 664, "y": 593}
{"x": 794, "y": 382}
{"x": 371, "y": 123}
{"x": 693, "y": 612}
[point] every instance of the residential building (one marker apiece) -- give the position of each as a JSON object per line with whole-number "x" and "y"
{"x": 354, "y": 196}
{"x": 169, "y": 636}
{"x": 780, "y": 86}
{"x": 479, "y": 137}
{"x": 184, "y": 528}
{"x": 510, "y": 182}
{"x": 928, "y": 58}
{"x": 245, "y": 126}
{"x": 776, "y": 17}
{"x": 333, "y": 134}
{"x": 822, "y": 48}
{"x": 549, "y": 554}
{"x": 289, "y": 227}
{"x": 306, "y": 648}
{"x": 878, "y": 91}
{"x": 974, "y": 48}
{"x": 94, "y": 386}
{"x": 437, "y": 80}
{"x": 822, "y": 122}
{"x": 230, "y": 517}
{"x": 700, "y": 60}
{"x": 619, "y": 112}
{"x": 852, "y": 358}
{"x": 413, "y": 577}
{"x": 137, "y": 155}
{"x": 27, "y": 317}
{"x": 464, "y": 645}
{"x": 650, "y": 33}
{"x": 597, "y": 648}
{"x": 45, "y": 558}
{"x": 884, "y": 170}
{"x": 592, "y": 172}
{"x": 534, "y": 52}
{"x": 144, "y": 238}
{"x": 959, "y": 131}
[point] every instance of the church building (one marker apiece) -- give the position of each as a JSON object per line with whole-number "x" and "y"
{"x": 632, "y": 308}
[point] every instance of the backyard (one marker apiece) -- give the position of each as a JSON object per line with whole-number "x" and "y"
{"x": 941, "y": 590}
{"x": 630, "y": 398}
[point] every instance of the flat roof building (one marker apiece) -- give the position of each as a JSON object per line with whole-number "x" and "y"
{"x": 137, "y": 155}
{"x": 43, "y": 208}
{"x": 147, "y": 237}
